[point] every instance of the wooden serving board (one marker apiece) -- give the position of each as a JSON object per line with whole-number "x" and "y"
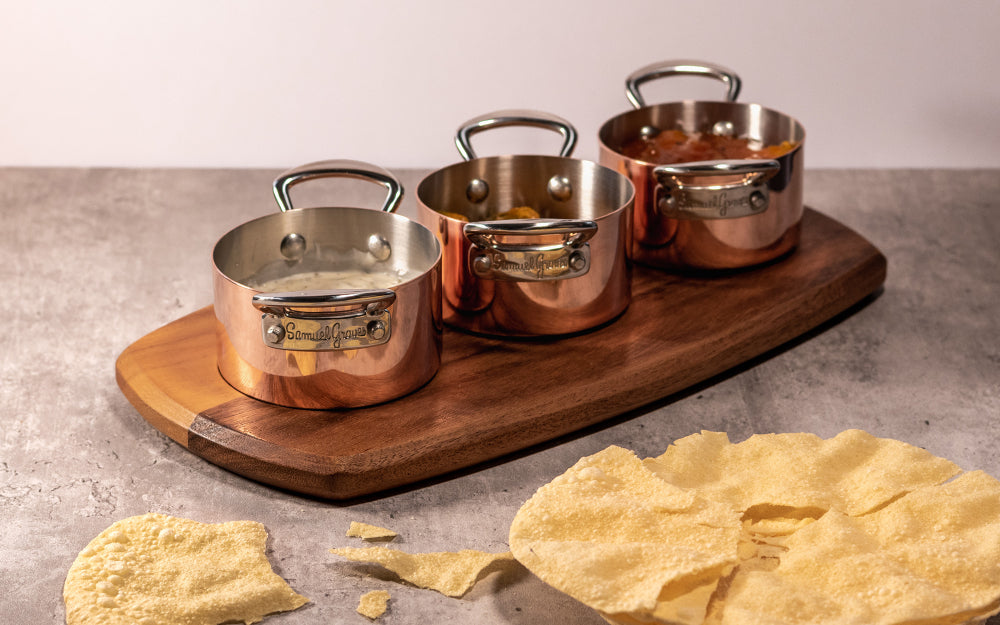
{"x": 492, "y": 397}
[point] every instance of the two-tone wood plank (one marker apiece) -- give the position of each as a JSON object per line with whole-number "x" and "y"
{"x": 493, "y": 397}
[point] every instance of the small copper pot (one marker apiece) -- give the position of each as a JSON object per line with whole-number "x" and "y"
{"x": 563, "y": 272}
{"x": 711, "y": 215}
{"x": 337, "y": 348}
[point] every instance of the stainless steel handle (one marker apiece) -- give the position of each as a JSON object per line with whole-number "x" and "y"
{"x": 514, "y": 117}
{"x": 714, "y": 189}
{"x": 679, "y": 68}
{"x": 304, "y": 321}
{"x": 482, "y": 233}
{"x": 338, "y": 169}
{"x": 288, "y": 303}
{"x": 530, "y": 261}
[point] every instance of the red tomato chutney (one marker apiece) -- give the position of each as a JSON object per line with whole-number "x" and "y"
{"x": 677, "y": 146}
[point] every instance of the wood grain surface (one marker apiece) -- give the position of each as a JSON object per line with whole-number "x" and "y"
{"x": 493, "y": 397}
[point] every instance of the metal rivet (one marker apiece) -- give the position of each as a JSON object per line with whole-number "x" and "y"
{"x": 648, "y": 132}
{"x": 560, "y": 188}
{"x": 577, "y": 261}
{"x": 666, "y": 204}
{"x": 293, "y": 246}
{"x": 724, "y": 128}
{"x": 379, "y": 247}
{"x": 376, "y": 330}
{"x": 276, "y": 333}
{"x": 757, "y": 200}
{"x": 482, "y": 264}
{"x": 477, "y": 190}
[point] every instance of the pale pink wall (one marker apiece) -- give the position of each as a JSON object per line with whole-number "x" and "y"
{"x": 897, "y": 83}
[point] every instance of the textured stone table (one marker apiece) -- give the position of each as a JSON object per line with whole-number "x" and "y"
{"x": 93, "y": 259}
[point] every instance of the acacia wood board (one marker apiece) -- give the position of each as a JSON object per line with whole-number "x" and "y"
{"x": 492, "y": 397}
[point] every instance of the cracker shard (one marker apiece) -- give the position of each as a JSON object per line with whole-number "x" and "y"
{"x": 369, "y": 532}
{"x": 155, "y": 568}
{"x": 613, "y": 535}
{"x": 450, "y": 573}
{"x": 373, "y": 604}
{"x": 780, "y": 528}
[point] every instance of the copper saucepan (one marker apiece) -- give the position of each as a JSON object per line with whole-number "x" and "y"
{"x": 561, "y": 270}
{"x": 713, "y": 214}
{"x": 328, "y": 307}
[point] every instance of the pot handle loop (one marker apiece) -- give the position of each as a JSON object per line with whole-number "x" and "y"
{"x": 714, "y": 189}
{"x": 679, "y": 68}
{"x": 515, "y": 117}
{"x": 338, "y": 169}
{"x": 495, "y": 260}
{"x": 482, "y": 232}
{"x": 284, "y": 303}
{"x": 305, "y": 321}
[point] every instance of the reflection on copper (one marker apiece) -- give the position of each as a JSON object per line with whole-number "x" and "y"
{"x": 526, "y": 309}
{"x": 709, "y": 244}
{"x": 331, "y": 379}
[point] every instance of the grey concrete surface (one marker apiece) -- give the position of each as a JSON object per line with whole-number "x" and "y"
{"x": 93, "y": 259}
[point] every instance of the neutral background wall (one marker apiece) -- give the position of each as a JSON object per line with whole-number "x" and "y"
{"x": 895, "y": 83}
